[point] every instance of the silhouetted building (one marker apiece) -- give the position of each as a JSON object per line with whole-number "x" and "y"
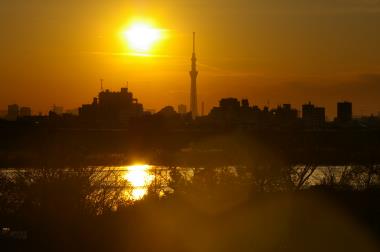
{"x": 58, "y": 110}
{"x": 13, "y": 111}
{"x": 193, "y": 88}
{"x": 89, "y": 112}
{"x": 313, "y": 116}
{"x": 285, "y": 113}
{"x": 25, "y": 111}
{"x": 112, "y": 108}
{"x": 229, "y": 104}
{"x": 182, "y": 109}
{"x": 167, "y": 111}
{"x": 245, "y": 103}
{"x": 150, "y": 111}
{"x": 230, "y": 112}
{"x": 245, "y": 111}
{"x": 344, "y": 111}
{"x": 72, "y": 111}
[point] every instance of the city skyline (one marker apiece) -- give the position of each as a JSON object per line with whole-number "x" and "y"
{"x": 266, "y": 52}
{"x": 182, "y": 108}
{"x": 119, "y": 106}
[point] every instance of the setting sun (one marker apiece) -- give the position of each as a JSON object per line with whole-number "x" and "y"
{"x": 141, "y": 37}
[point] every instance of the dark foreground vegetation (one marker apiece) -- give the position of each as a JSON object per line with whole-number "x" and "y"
{"x": 253, "y": 208}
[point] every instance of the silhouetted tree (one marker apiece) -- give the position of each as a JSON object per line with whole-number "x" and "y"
{"x": 300, "y": 174}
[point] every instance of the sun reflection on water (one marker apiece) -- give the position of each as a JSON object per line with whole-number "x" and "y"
{"x": 140, "y": 178}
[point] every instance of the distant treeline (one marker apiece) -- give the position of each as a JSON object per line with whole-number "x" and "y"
{"x": 20, "y": 146}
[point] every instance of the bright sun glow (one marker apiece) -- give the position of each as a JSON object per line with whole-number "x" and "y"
{"x": 139, "y": 178}
{"x": 141, "y": 37}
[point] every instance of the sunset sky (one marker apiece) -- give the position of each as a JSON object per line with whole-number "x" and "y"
{"x": 270, "y": 51}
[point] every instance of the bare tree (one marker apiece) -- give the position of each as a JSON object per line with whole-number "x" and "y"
{"x": 300, "y": 175}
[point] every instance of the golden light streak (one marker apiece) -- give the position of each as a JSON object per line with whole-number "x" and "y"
{"x": 140, "y": 178}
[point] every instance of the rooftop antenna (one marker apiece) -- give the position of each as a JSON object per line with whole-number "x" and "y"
{"x": 101, "y": 85}
{"x": 127, "y": 84}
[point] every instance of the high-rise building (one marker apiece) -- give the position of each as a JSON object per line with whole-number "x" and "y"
{"x": 13, "y": 111}
{"x": 112, "y": 108}
{"x": 313, "y": 116}
{"x": 320, "y": 116}
{"x": 193, "y": 88}
{"x": 344, "y": 111}
{"x": 182, "y": 109}
{"x": 25, "y": 111}
{"x": 229, "y": 110}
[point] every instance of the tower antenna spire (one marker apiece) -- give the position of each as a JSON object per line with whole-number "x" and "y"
{"x": 193, "y": 42}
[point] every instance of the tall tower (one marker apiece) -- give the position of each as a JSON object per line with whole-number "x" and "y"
{"x": 193, "y": 89}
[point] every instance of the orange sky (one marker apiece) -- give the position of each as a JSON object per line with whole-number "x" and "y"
{"x": 270, "y": 51}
